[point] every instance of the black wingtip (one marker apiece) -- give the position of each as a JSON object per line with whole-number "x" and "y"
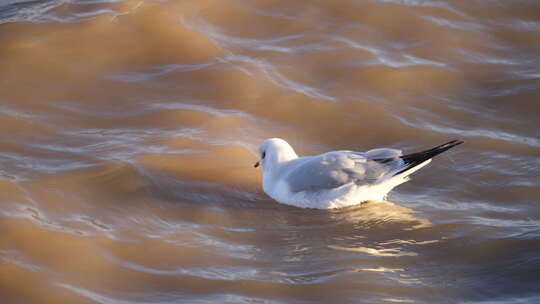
{"x": 434, "y": 151}
{"x": 414, "y": 159}
{"x": 450, "y": 144}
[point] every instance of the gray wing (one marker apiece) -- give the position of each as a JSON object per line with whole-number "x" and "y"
{"x": 334, "y": 169}
{"x": 383, "y": 153}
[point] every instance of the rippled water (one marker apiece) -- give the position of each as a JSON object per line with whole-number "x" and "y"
{"x": 129, "y": 131}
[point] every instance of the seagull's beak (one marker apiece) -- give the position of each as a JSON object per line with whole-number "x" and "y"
{"x": 256, "y": 164}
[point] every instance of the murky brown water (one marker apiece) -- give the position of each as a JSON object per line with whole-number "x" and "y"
{"x": 129, "y": 130}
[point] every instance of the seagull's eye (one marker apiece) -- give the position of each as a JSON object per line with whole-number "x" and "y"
{"x": 264, "y": 154}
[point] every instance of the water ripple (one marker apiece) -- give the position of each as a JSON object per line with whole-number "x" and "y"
{"x": 497, "y": 135}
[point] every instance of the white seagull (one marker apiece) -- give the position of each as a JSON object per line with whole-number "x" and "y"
{"x": 339, "y": 178}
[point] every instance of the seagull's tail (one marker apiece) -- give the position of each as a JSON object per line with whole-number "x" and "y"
{"x": 417, "y": 160}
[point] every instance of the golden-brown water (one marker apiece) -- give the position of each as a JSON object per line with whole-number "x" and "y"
{"x": 129, "y": 130}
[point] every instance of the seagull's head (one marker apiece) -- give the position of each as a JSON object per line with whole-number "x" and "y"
{"x": 274, "y": 151}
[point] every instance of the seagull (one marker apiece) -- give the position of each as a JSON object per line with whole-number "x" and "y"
{"x": 336, "y": 179}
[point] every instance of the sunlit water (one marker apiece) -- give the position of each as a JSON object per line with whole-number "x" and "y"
{"x": 129, "y": 130}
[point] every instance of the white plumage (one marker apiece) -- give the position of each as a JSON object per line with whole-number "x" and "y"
{"x": 339, "y": 178}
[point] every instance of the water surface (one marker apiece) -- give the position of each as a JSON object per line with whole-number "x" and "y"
{"x": 129, "y": 130}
